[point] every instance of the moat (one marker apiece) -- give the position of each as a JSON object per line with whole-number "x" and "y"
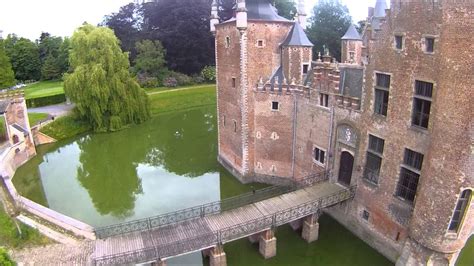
{"x": 166, "y": 164}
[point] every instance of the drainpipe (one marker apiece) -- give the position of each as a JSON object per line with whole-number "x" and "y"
{"x": 295, "y": 117}
{"x": 330, "y": 137}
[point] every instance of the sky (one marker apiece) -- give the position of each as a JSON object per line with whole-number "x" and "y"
{"x": 28, "y": 18}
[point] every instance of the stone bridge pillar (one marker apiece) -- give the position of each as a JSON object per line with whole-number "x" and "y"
{"x": 159, "y": 262}
{"x": 268, "y": 244}
{"x": 310, "y": 228}
{"x": 217, "y": 256}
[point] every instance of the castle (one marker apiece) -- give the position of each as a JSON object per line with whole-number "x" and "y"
{"x": 394, "y": 118}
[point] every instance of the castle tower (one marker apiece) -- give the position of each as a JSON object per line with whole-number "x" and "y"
{"x": 244, "y": 55}
{"x": 296, "y": 55}
{"x": 301, "y": 19}
{"x": 352, "y": 47}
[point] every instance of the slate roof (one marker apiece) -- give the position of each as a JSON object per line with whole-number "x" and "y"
{"x": 380, "y": 7}
{"x": 351, "y": 81}
{"x": 351, "y": 34}
{"x": 297, "y": 37}
{"x": 3, "y": 106}
{"x": 262, "y": 10}
{"x": 20, "y": 128}
{"x": 278, "y": 74}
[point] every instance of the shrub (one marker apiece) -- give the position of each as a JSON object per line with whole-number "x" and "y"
{"x": 198, "y": 79}
{"x": 170, "y": 82}
{"x": 208, "y": 73}
{"x": 146, "y": 81}
{"x": 3, "y": 130}
{"x": 5, "y": 258}
{"x": 45, "y": 101}
{"x": 177, "y": 78}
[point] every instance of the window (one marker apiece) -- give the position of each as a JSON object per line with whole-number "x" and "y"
{"x": 235, "y": 126}
{"x": 234, "y": 83}
{"x": 398, "y": 42}
{"x": 305, "y": 68}
{"x": 382, "y": 86}
{"x": 409, "y": 175}
{"x": 223, "y": 120}
{"x": 324, "y": 100}
{"x": 460, "y": 211}
{"x": 365, "y": 215}
{"x": 429, "y": 44}
{"x": 227, "y": 42}
{"x": 275, "y": 106}
{"x": 260, "y": 43}
{"x": 319, "y": 155}
{"x": 374, "y": 159}
{"x": 422, "y": 103}
{"x": 351, "y": 57}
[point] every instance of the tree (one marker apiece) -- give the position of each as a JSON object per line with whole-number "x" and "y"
{"x": 150, "y": 58}
{"x": 101, "y": 86}
{"x": 127, "y": 26}
{"x": 183, "y": 28}
{"x": 330, "y": 21}
{"x": 286, "y": 8}
{"x": 50, "y": 69}
{"x": 7, "y": 77}
{"x": 361, "y": 26}
{"x": 63, "y": 56}
{"x": 24, "y": 56}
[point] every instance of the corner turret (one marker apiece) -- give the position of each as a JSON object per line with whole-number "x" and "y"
{"x": 301, "y": 17}
{"x": 241, "y": 15}
{"x": 351, "y": 47}
{"x": 214, "y": 16}
{"x": 296, "y": 54}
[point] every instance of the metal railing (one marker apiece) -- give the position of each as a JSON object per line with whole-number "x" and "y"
{"x": 227, "y": 234}
{"x": 207, "y": 209}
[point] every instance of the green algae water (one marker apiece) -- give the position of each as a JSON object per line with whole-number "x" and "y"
{"x": 163, "y": 165}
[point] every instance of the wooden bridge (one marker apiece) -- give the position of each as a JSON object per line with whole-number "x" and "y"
{"x": 209, "y": 226}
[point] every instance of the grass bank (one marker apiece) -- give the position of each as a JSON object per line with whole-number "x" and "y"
{"x": 43, "y": 89}
{"x": 65, "y": 127}
{"x": 35, "y": 118}
{"x": 11, "y": 238}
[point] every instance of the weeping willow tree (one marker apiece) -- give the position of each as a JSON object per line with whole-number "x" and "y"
{"x": 105, "y": 93}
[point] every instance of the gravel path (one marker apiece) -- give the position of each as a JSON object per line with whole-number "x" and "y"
{"x": 56, "y": 254}
{"x": 54, "y": 110}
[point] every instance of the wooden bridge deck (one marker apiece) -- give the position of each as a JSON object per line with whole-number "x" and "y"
{"x": 202, "y": 233}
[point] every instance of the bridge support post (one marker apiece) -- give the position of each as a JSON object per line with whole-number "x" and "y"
{"x": 310, "y": 228}
{"x": 268, "y": 244}
{"x": 217, "y": 256}
{"x": 159, "y": 263}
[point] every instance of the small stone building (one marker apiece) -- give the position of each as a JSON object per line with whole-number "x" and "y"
{"x": 393, "y": 118}
{"x": 16, "y": 145}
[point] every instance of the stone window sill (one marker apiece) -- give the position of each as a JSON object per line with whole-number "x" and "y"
{"x": 418, "y": 129}
{"x": 451, "y": 235}
{"x": 369, "y": 183}
{"x": 404, "y": 202}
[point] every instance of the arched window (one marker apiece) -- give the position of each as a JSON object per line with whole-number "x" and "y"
{"x": 16, "y": 139}
{"x": 460, "y": 211}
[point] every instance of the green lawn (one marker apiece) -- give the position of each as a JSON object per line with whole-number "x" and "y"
{"x": 44, "y": 88}
{"x": 466, "y": 258}
{"x": 183, "y": 99}
{"x": 160, "y": 89}
{"x": 36, "y": 117}
{"x": 11, "y": 238}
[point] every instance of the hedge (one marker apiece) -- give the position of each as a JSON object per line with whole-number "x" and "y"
{"x": 45, "y": 101}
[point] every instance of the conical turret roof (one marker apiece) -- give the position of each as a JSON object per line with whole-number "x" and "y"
{"x": 297, "y": 37}
{"x": 380, "y": 7}
{"x": 262, "y": 10}
{"x": 351, "y": 34}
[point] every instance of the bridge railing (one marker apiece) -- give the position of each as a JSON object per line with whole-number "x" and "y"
{"x": 228, "y": 234}
{"x": 207, "y": 209}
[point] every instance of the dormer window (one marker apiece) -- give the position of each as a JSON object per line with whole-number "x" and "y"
{"x": 305, "y": 69}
